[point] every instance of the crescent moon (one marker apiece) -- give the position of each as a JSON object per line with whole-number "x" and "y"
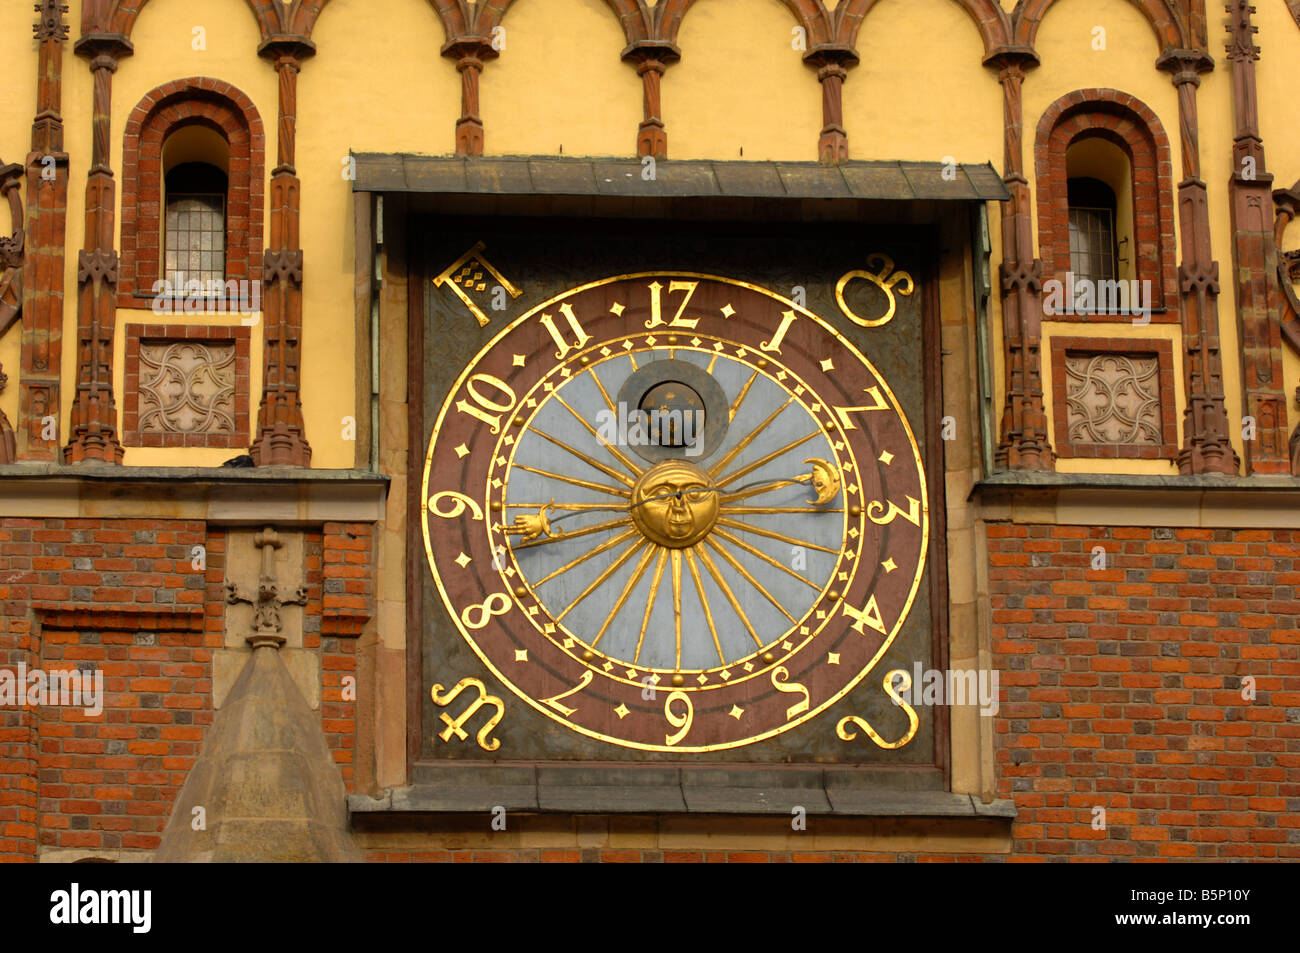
{"x": 830, "y": 479}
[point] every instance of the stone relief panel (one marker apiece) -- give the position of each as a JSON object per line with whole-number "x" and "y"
{"x": 186, "y": 386}
{"x": 1114, "y": 398}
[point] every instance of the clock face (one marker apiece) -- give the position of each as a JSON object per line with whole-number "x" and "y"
{"x": 675, "y": 512}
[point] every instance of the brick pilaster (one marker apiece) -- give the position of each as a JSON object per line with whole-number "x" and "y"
{"x": 1255, "y": 274}
{"x": 46, "y": 230}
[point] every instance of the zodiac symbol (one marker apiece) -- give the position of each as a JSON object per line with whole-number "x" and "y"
{"x": 847, "y": 734}
{"x": 883, "y": 280}
{"x": 454, "y": 724}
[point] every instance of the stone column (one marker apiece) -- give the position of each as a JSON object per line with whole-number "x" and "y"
{"x": 833, "y": 64}
{"x": 280, "y": 439}
{"x": 1023, "y": 444}
{"x": 1255, "y": 259}
{"x": 45, "y": 236}
{"x": 470, "y": 53}
{"x": 651, "y": 59}
{"x": 1207, "y": 447}
{"x": 94, "y": 411}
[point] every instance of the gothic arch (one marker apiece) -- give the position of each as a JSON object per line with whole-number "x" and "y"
{"x": 841, "y": 26}
{"x": 1172, "y": 26}
{"x": 642, "y": 22}
{"x": 470, "y": 19}
{"x": 274, "y": 19}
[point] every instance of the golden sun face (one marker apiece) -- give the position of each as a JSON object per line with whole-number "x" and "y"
{"x": 674, "y": 504}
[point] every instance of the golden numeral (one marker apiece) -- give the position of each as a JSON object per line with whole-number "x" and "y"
{"x": 774, "y": 346}
{"x": 842, "y": 729}
{"x": 564, "y": 346}
{"x": 913, "y": 514}
{"x": 870, "y": 615}
{"x": 843, "y": 412}
{"x": 485, "y": 610}
{"x": 483, "y": 404}
{"x": 656, "y": 305}
{"x": 678, "y": 721}
{"x": 781, "y": 682}
{"x": 457, "y": 507}
{"x": 565, "y": 710}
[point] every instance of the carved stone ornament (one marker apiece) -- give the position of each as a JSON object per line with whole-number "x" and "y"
{"x": 283, "y": 265}
{"x": 1113, "y": 399}
{"x": 267, "y": 601}
{"x": 187, "y": 387}
{"x": 98, "y": 265}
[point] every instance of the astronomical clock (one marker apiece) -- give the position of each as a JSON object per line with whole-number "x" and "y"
{"x": 675, "y": 501}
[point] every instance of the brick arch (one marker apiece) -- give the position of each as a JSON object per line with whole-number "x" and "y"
{"x": 1171, "y": 27}
{"x": 464, "y": 19}
{"x": 841, "y": 26}
{"x": 1130, "y": 124}
{"x": 224, "y": 109}
{"x": 642, "y": 22}
{"x": 988, "y": 16}
{"x": 273, "y": 18}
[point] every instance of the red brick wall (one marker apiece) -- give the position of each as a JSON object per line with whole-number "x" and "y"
{"x": 123, "y": 597}
{"x": 1121, "y": 688}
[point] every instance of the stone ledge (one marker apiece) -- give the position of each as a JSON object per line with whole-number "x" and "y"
{"x": 573, "y": 789}
{"x": 228, "y": 495}
{"x": 1100, "y": 499}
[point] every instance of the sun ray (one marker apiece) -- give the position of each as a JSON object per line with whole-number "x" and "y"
{"x": 637, "y": 573}
{"x": 599, "y": 487}
{"x": 602, "y": 548}
{"x": 618, "y": 454}
{"x": 735, "y": 564}
{"x": 603, "y": 393}
{"x": 677, "y": 605}
{"x": 574, "y": 534}
{"x": 772, "y": 534}
{"x": 704, "y": 601}
{"x": 650, "y": 600}
{"x": 750, "y": 510}
{"x": 730, "y": 596}
{"x": 739, "y": 495}
{"x": 764, "y": 460}
{"x": 608, "y": 471}
{"x": 740, "y": 398}
{"x": 739, "y": 448}
{"x": 758, "y": 553}
{"x": 600, "y": 580}
{"x": 567, "y": 507}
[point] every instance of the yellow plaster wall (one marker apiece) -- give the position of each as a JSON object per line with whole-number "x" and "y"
{"x": 559, "y": 83}
{"x": 346, "y": 103}
{"x": 914, "y": 55}
{"x": 741, "y": 85}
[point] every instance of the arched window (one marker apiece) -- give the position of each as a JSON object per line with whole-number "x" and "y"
{"x": 192, "y": 190}
{"x": 1105, "y": 198}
